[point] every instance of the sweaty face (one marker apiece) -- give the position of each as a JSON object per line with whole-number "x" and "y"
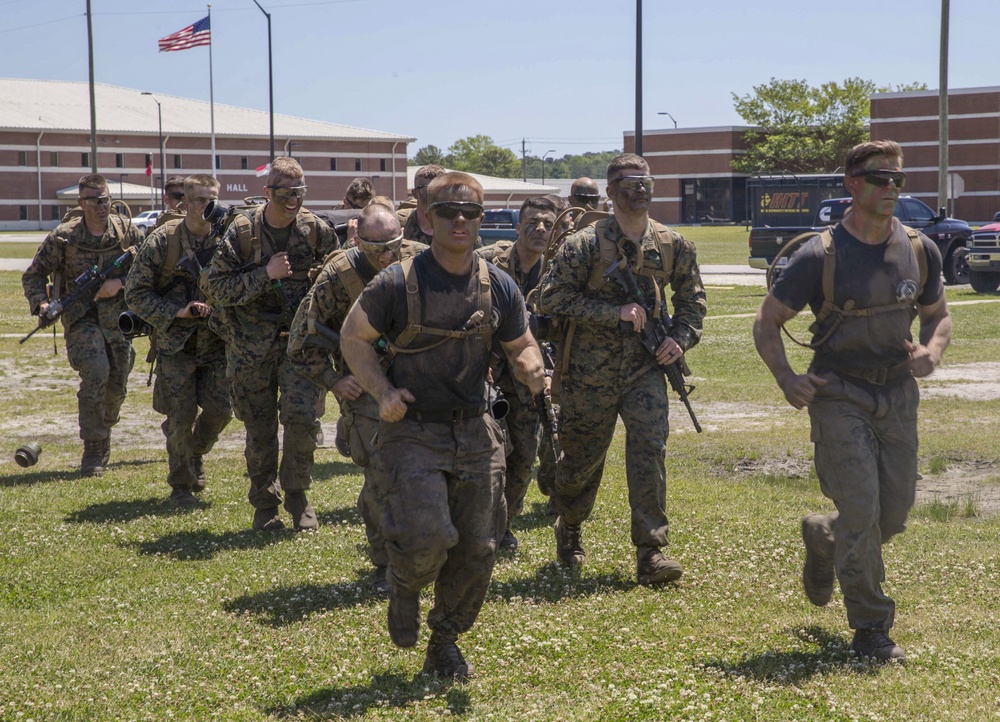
{"x": 875, "y": 200}
{"x": 629, "y": 200}
{"x": 285, "y": 205}
{"x": 96, "y": 204}
{"x": 458, "y": 233}
{"x": 199, "y": 198}
{"x": 535, "y": 229}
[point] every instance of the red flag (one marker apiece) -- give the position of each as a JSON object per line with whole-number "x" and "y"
{"x": 190, "y": 37}
{"x": 149, "y": 168}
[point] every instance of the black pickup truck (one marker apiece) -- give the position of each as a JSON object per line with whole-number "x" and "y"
{"x": 948, "y": 233}
{"x": 984, "y": 257}
{"x": 499, "y": 225}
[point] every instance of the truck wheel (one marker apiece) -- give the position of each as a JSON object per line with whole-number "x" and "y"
{"x": 956, "y": 267}
{"x": 984, "y": 281}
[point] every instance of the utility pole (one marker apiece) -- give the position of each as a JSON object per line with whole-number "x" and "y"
{"x": 524, "y": 160}
{"x": 93, "y": 103}
{"x": 638, "y": 77}
{"x": 943, "y": 110}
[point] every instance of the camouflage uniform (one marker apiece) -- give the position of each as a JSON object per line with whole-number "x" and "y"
{"x": 258, "y": 315}
{"x": 190, "y": 357}
{"x": 328, "y": 302}
{"x": 864, "y": 429}
{"x": 610, "y": 374}
{"x": 445, "y": 505}
{"x": 96, "y": 348}
{"x": 413, "y": 232}
{"x": 523, "y": 425}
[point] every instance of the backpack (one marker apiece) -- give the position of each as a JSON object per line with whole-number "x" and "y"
{"x": 828, "y": 307}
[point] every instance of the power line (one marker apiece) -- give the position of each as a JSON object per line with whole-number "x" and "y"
{"x": 47, "y": 22}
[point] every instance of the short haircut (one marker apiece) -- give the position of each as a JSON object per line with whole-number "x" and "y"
{"x": 428, "y": 173}
{"x": 444, "y": 183}
{"x": 361, "y": 189}
{"x": 377, "y": 215}
{"x": 627, "y": 161}
{"x": 175, "y": 181}
{"x": 559, "y": 202}
{"x": 860, "y": 153}
{"x": 284, "y": 167}
{"x": 199, "y": 180}
{"x": 93, "y": 181}
{"x": 584, "y": 187}
{"x": 539, "y": 203}
{"x": 382, "y": 201}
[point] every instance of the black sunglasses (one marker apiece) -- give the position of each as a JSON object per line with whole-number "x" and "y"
{"x": 451, "y": 209}
{"x": 882, "y": 177}
{"x": 176, "y": 196}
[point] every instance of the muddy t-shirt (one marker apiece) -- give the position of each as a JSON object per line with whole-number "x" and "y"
{"x": 450, "y": 376}
{"x": 871, "y": 276}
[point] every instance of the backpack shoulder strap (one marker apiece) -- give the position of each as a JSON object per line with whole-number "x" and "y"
{"x": 921, "y": 255}
{"x": 247, "y": 243}
{"x": 347, "y": 274}
{"x": 609, "y": 251}
{"x": 176, "y": 243}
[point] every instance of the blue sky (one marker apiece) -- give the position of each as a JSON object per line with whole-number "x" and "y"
{"x": 558, "y": 73}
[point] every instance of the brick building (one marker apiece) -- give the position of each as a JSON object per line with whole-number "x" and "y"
{"x": 45, "y": 148}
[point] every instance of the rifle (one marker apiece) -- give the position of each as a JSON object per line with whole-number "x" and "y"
{"x": 325, "y": 338}
{"x": 547, "y": 410}
{"x": 655, "y": 330}
{"x": 87, "y": 285}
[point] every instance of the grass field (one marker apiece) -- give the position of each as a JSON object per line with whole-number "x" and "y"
{"x": 116, "y": 606}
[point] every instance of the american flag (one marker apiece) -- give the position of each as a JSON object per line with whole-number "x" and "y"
{"x": 190, "y": 37}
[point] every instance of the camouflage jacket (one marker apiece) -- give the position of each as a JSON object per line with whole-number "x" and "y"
{"x": 156, "y": 293}
{"x": 257, "y": 311}
{"x": 66, "y": 253}
{"x": 599, "y": 341}
{"x": 412, "y": 230}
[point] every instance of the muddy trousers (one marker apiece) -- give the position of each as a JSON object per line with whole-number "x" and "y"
{"x": 866, "y": 460}
{"x": 588, "y": 414}
{"x": 523, "y": 431}
{"x": 103, "y": 366}
{"x": 444, "y": 511}
{"x": 256, "y": 402}
{"x": 371, "y": 501}
{"x": 185, "y": 383}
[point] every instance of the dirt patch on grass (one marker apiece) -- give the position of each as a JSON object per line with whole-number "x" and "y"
{"x": 977, "y": 482}
{"x": 976, "y": 382}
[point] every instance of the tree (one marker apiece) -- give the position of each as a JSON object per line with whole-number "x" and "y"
{"x": 801, "y": 129}
{"x": 428, "y": 155}
{"x": 479, "y": 154}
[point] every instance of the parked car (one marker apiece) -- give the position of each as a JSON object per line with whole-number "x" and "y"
{"x": 983, "y": 249}
{"x": 499, "y": 225}
{"x": 146, "y": 220}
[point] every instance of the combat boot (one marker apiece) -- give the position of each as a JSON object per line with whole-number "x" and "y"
{"x": 106, "y": 450}
{"x": 404, "y": 617}
{"x": 182, "y": 496}
{"x": 445, "y": 659}
{"x": 93, "y": 457}
{"x": 652, "y": 567}
{"x": 380, "y": 585}
{"x": 508, "y": 542}
{"x": 569, "y": 545}
{"x": 200, "y": 479}
{"x": 303, "y": 515}
{"x": 267, "y": 520}
{"x": 818, "y": 572}
{"x": 876, "y": 645}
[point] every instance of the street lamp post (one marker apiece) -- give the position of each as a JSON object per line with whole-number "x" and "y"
{"x": 270, "y": 78}
{"x": 543, "y": 164}
{"x": 159, "y": 119}
{"x": 671, "y": 118}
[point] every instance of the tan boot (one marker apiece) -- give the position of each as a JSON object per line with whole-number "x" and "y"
{"x": 652, "y": 567}
{"x": 93, "y": 457}
{"x": 303, "y": 515}
{"x": 818, "y": 572}
{"x": 569, "y": 544}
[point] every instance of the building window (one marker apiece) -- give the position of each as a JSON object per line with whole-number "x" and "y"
{"x": 708, "y": 200}
{"x": 218, "y": 162}
{"x": 381, "y": 165}
{"x": 54, "y": 158}
{"x": 56, "y": 212}
{"x": 119, "y": 160}
{"x": 357, "y": 164}
{"x": 333, "y": 164}
{"x": 177, "y": 161}
{"x": 23, "y": 210}
{"x": 22, "y": 157}
{"x": 244, "y": 163}
{"x": 85, "y": 160}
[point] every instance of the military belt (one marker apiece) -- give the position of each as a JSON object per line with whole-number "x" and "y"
{"x": 445, "y": 416}
{"x": 876, "y": 377}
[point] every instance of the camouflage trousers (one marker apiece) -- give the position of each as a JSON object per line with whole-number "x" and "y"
{"x": 866, "y": 459}
{"x": 365, "y": 453}
{"x": 546, "y": 461}
{"x": 523, "y": 429}
{"x": 255, "y": 395}
{"x": 185, "y": 382}
{"x": 444, "y": 511}
{"x": 589, "y": 411}
{"x": 103, "y": 366}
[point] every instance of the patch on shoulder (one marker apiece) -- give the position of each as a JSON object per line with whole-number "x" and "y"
{"x": 906, "y": 291}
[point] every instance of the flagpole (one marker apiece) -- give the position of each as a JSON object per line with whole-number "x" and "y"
{"x": 211, "y": 87}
